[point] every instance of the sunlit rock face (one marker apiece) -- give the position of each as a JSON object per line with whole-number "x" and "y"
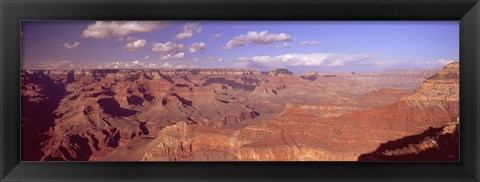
{"x": 229, "y": 114}
{"x": 440, "y": 90}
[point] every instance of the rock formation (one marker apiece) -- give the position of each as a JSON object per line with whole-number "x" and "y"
{"x": 228, "y": 114}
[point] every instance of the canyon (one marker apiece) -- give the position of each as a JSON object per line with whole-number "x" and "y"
{"x": 239, "y": 115}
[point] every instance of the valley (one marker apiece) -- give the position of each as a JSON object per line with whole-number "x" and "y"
{"x": 239, "y": 115}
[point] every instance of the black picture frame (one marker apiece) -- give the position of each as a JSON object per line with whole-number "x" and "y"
{"x": 14, "y": 11}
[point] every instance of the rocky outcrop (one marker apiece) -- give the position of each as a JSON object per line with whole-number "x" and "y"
{"x": 228, "y": 114}
{"x": 101, "y": 110}
{"x": 439, "y": 91}
{"x": 280, "y": 72}
{"x": 173, "y": 143}
{"x": 297, "y": 134}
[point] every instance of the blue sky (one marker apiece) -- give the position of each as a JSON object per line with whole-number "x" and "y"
{"x": 300, "y": 46}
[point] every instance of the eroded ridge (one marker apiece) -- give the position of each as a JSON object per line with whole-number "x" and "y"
{"x": 235, "y": 114}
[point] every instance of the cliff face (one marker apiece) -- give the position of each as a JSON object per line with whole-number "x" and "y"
{"x": 104, "y": 109}
{"x": 440, "y": 90}
{"x": 173, "y": 143}
{"x": 438, "y": 94}
{"x": 224, "y": 114}
{"x": 39, "y": 97}
{"x": 299, "y": 134}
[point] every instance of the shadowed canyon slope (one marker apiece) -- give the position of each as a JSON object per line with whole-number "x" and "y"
{"x": 236, "y": 114}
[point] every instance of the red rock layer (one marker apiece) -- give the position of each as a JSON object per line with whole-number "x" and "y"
{"x": 228, "y": 114}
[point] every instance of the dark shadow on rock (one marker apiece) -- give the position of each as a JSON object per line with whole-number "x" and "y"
{"x": 142, "y": 89}
{"x": 231, "y": 83}
{"x": 311, "y": 77}
{"x": 103, "y": 72}
{"x": 83, "y": 149}
{"x": 144, "y": 128}
{"x": 70, "y": 76}
{"x": 37, "y": 118}
{"x": 184, "y": 101}
{"x": 112, "y": 140}
{"x": 107, "y": 93}
{"x": 181, "y": 85}
{"x": 185, "y": 77}
{"x": 148, "y": 97}
{"x": 95, "y": 142}
{"x": 112, "y": 107}
{"x": 133, "y": 77}
{"x": 169, "y": 79}
{"x": 251, "y": 80}
{"x": 164, "y": 101}
{"x": 134, "y": 100}
{"x": 447, "y": 150}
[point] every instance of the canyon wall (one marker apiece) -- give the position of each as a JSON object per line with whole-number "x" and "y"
{"x": 227, "y": 114}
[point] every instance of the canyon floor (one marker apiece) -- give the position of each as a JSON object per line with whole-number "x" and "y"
{"x": 239, "y": 115}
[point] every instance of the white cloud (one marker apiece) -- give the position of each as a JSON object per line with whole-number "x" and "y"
{"x": 197, "y": 46}
{"x": 140, "y": 65}
{"x": 146, "y": 57}
{"x": 384, "y": 63}
{"x": 152, "y": 65}
{"x": 66, "y": 45}
{"x": 130, "y": 39}
{"x": 183, "y": 35}
{"x": 181, "y": 66}
{"x": 50, "y": 64}
{"x": 310, "y": 42}
{"x": 211, "y": 58}
{"x": 284, "y": 45}
{"x": 172, "y": 57}
{"x": 407, "y": 64}
{"x": 446, "y": 61}
{"x": 107, "y": 29}
{"x": 215, "y": 36}
{"x": 166, "y": 65}
{"x": 188, "y": 30}
{"x": 434, "y": 64}
{"x": 122, "y": 65}
{"x": 167, "y": 47}
{"x": 135, "y": 45}
{"x": 313, "y": 59}
{"x": 256, "y": 38}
